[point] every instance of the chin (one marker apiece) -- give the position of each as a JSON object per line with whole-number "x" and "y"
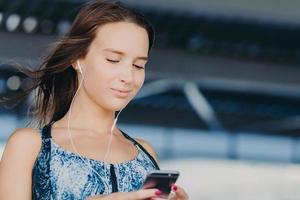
{"x": 118, "y": 106}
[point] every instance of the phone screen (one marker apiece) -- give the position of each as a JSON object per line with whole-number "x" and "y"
{"x": 162, "y": 180}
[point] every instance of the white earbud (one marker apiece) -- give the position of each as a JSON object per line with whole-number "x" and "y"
{"x": 79, "y": 67}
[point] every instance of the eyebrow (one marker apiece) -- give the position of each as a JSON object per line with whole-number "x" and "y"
{"x": 122, "y": 53}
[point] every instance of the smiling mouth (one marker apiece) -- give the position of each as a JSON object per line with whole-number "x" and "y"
{"x": 121, "y": 93}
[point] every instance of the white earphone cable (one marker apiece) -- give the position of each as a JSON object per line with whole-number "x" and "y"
{"x": 70, "y": 134}
{"x": 110, "y": 138}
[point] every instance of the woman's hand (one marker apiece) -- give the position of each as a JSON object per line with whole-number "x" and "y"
{"x": 142, "y": 194}
{"x": 177, "y": 193}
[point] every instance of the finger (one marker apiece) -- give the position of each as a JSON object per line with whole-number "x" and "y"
{"x": 149, "y": 185}
{"x": 142, "y": 194}
{"x": 179, "y": 192}
{"x": 172, "y": 195}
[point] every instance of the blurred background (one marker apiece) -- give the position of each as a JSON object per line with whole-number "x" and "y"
{"x": 221, "y": 100}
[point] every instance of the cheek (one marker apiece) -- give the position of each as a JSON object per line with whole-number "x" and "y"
{"x": 98, "y": 80}
{"x": 99, "y": 71}
{"x": 139, "y": 79}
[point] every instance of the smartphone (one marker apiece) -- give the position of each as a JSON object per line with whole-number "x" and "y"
{"x": 162, "y": 180}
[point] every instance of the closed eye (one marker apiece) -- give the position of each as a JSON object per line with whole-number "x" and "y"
{"x": 112, "y": 61}
{"x": 116, "y": 61}
{"x": 139, "y": 67}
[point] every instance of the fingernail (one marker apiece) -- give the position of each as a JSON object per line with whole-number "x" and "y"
{"x": 158, "y": 192}
{"x": 174, "y": 188}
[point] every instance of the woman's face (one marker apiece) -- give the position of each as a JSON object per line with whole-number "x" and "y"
{"x": 114, "y": 67}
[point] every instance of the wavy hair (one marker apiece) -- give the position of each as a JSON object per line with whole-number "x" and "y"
{"x": 54, "y": 82}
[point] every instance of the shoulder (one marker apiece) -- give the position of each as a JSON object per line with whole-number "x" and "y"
{"x": 22, "y": 140}
{"x": 25, "y": 137}
{"x": 148, "y": 147}
{"x": 17, "y": 161}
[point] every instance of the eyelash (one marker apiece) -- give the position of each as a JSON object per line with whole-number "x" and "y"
{"x": 116, "y": 61}
{"x": 112, "y": 61}
{"x": 139, "y": 67}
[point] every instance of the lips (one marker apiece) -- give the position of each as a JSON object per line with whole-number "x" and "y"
{"x": 121, "y": 93}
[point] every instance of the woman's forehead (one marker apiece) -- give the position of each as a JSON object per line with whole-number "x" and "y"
{"x": 122, "y": 36}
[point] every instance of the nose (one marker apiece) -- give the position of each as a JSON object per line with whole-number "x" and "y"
{"x": 127, "y": 74}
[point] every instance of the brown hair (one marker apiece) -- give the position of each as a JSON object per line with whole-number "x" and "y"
{"x": 55, "y": 80}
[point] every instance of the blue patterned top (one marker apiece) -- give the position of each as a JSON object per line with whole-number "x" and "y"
{"x": 60, "y": 174}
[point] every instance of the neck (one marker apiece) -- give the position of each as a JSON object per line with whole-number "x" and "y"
{"x": 86, "y": 114}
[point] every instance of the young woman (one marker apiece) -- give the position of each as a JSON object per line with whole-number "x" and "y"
{"x": 79, "y": 153}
